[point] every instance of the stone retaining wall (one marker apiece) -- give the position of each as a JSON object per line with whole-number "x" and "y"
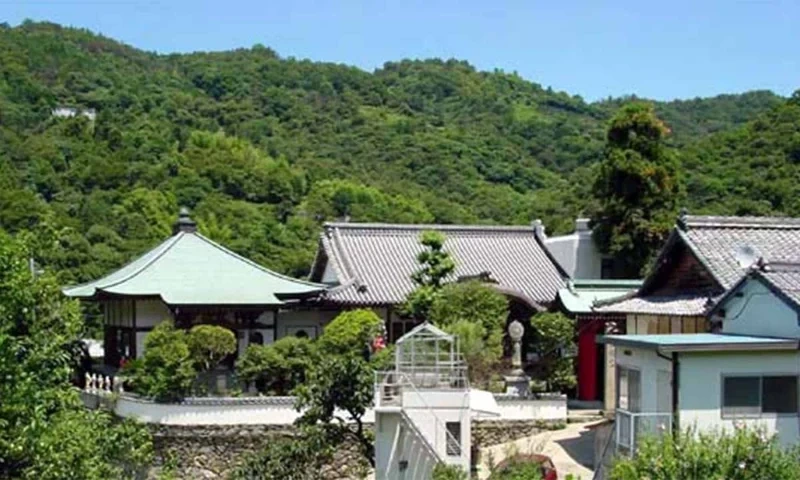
{"x": 486, "y": 433}
{"x": 212, "y": 451}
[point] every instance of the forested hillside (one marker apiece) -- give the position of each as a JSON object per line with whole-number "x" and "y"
{"x": 263, "y": 148}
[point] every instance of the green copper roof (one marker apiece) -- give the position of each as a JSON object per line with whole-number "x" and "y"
{"x": 189, "y": 269}
{"x": 580, "y": 295}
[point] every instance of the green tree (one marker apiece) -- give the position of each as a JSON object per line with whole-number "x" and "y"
{"x": 637, "y": 188}
{"x": 209, "y": 345}
{"x": 744, "y": 454}
{"x": 344, "y": 383}
{"x": 352, "y": 331}
{"x": 166, "y": 371}
{"x": 45, "y": 431}
{"x": 277, "y": 368}
{"x": 477, "y": 314}
{"x": 554, "y": 340}
{"x": 435, "y": 266}
{"x": 442, "y": 471}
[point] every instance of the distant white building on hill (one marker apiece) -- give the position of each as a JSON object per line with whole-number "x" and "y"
{"x": 69, "y": 112}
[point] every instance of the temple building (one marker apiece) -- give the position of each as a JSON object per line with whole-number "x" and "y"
{"x": 192, "y": 280}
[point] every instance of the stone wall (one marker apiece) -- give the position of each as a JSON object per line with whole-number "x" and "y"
{"x": 486, "y": 433}
{"x": 212, "y": 451}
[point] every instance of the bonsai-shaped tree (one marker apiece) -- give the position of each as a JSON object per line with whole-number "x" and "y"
{"x": 435, "y": 265}
{"x": 209, "y": 345}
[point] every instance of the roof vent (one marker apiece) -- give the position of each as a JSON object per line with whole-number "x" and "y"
{"x": 745, "y": 256}
{"x": 185, "y": 223}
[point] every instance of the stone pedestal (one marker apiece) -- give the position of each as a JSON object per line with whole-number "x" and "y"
{"x": 519, "y": 385}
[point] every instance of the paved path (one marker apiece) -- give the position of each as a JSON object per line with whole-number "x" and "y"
{"x": 571, "y": 449}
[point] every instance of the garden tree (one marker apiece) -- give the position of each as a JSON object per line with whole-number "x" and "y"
{"x": 298, "y": 457}
{"x": 352, "y": 331}
{"x": 209, "y": 345}
{"x": 166, "y": 371}
{"x": 554, "y": 340}
{"x": 435, "y": 266}
{"x": 45, "y": 431}
{"x": 744, "y": 454}
{"x": 477, "y": 314}
{"x": 344, "y": 383}
{"x": 637, "y": 188}
{"x": 278, "y": 368}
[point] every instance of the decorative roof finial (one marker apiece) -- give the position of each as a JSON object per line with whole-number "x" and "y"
{"x": 682, "y": 218}
{"x": 185, "y": 223}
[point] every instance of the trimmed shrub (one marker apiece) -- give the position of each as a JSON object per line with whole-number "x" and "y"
{"x": 166, "y": 371}
{"x": 209, "y": 345}
{"x": 352, "y": 331}
{"x": 278, "y": 368}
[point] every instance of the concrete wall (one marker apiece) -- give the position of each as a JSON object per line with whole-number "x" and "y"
{"x": 649, "y": 365}
{"x": 400, "y": 452}
{"x": 759, "y": 312}
{"x": 281, "y": 411}
{"x": 577, "y": 252}
{"x": 700, "y": 397}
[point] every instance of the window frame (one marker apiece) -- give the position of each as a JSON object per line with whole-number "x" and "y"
{"x": 619, "y": 389}
{"x": 456, "y": 434}
{"x": 761, "y": 413}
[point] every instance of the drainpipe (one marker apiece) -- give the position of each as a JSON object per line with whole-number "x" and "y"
{"x": 676, "y": 365}
{"x": 675, "y": 390}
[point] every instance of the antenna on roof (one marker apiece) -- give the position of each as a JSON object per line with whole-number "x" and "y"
{"x": 745, "y": 256}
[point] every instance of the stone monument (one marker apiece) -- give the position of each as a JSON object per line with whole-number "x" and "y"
{"x": 517, "y": 383}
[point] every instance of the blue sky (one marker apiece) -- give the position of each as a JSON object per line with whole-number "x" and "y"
{"x": 655, "y": 49}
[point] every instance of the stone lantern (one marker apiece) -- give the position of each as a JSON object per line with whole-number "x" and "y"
{"x": 517, "y": 383}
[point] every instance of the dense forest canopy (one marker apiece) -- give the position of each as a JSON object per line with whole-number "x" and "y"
{"x": 263, "y": 148}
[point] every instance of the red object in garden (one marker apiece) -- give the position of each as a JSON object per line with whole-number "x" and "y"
{"x": 378, "y": 344}
{"x": 548, "y": 469}
{"x": 587, "y": 358}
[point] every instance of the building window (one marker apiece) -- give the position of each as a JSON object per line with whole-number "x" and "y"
{"x": 453, "y": 438}
{"x": 755, "y": 395}
{"x": 629, "y": 389}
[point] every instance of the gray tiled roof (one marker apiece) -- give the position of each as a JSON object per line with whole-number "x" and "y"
{"x": 715, "y": 241}
{"x": 680, "y": 305}
{"x": 374, "y": 262}
{"x": 787, "y": 280}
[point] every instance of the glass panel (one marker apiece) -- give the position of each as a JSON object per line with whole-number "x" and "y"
{"x": 622, "y": 388}
{"x": 741, "y": 396}
{"x": 780, "y": 395}
{"x": 635, "y": 390}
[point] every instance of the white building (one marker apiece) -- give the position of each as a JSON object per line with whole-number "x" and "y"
{"x": 577, "y": 252}
{"x": 424, "y": 407}
{"x": 746, "y": 373}
{"x": 69, "y": 112}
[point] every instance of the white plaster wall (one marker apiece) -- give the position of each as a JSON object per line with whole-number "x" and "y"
{"x": 151, "y": 312}
{"x": 312, "y": 321}
{"x": 648, "y": 363}
{"x": 577, "y": 254}
{"x": 700, "y": 396}
{"x": 544, "y": 409}
{"x": 759, "y": 312}
{"x": 329, "y": 275}
{"x": 394, "y": 443}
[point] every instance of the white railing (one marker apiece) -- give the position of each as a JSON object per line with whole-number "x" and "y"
{"x": 392, "y": 385}
{"x": 632, "y": 426}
